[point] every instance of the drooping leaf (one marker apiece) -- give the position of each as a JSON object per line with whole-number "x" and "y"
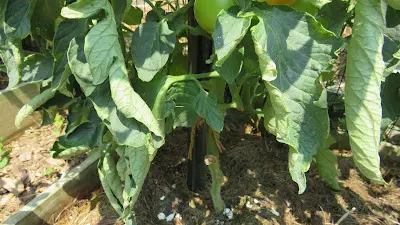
{"x": 110, "y": 181}
{"x": 132, "y": 166}
{"x": 326, "y": 163}
{"x": 77, "y": 60}
{"x": 300, "y": 48}
{"x": 232, "y": 66}
{"x": 152, "y": 43}
{"x": 126, "y": 131}
{"x": 364, "y": 72}
{"x": 66, "y": 31}
{"x": 17, "y": 23}
{"x": 229, "y": 31}
{"x": 11, "y": 55}
{"x": 32, "y": 105}
{"x": 79, "y": 66}
{"x": 83, "y": 9}
{"x": 333, "y": 16}
{"x": 37, "y": 67}
{"x": 128, "y": 101}
{"x": 44, "y": 17}
{"x": 101, "y": 49}
{"x": 61, "y": 73}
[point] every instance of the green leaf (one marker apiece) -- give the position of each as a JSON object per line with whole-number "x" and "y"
{"x": 17, "y": 24}
{"x": 110, "y": 181}
{"x": 333, "y": 16}
{"x": 3, "y": 7}
{"x": 183, "y": 94}
{"x": 3, "y": 162}
{"x": 207, "y": 107}
{"x": 101, "y": 49}
{"x": 229, "y": 31}
{"x": 392, "y": 29}
{"x": 306, "y": 6}
{"x": 301, "y": 49}
{"x": 79, "y": 66}
{"x": 232, "y": 66}
{"x": 133, "y": 166}
{"x": 44, "y": 17}
{"x": 66, "y": 31}
{"x": 152, "y": 43}
{"x": 139, "y": 160}
{"x": 87, "y": 134}
{"x": 391, "y": 45}
{"x": 77, "y": 60}
{"x": 32, "y": 105}
{"x": 133, "y": 16}
{"x": 391, "y": 97}
{"x": 299, "y": 164}
{"x": 120, "y": 8}
{"x": 37, "y": 67}
{"x": 128, "y": 101}
{"x": 11, "y": 54}
{"x": 391, "y": 55}
{"x": 61, "y": 72}
{"x": 78, "y": 114}
{"x": 363, "y": 83}
{"x": 61, "y": 153}
{"x": 326, "y": 163}
{"x": 126, "y": 131}
{"x": 83, "y": 9}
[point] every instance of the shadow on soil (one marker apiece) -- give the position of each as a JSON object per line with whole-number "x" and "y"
{"x": 259, "y": 190}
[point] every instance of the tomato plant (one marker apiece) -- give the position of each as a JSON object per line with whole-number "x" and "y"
{"x": 274, "y": 62}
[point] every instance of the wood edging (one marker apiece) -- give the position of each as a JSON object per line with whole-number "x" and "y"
{"x": 79, "y": 181}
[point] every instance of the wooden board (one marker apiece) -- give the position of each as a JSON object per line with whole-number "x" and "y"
{"x": 79, "y": 181}
{"x": 11, "y": 102}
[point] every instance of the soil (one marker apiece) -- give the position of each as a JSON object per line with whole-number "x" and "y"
{"x": 259, "y": 190}
{"x": 31, "y": 169}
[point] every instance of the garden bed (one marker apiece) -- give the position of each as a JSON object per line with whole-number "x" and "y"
{"x": 259, "y": 189}
{"x": 31, "y": 169}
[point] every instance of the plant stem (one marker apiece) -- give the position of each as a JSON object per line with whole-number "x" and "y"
{"x": 187, "y": 77}
{"x": 180, "y": 11}
{"x": 170, "y": 5}
{"x": 155, "y": 9}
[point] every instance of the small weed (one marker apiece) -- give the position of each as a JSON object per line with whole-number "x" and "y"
{"x": 3, "y": 154}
